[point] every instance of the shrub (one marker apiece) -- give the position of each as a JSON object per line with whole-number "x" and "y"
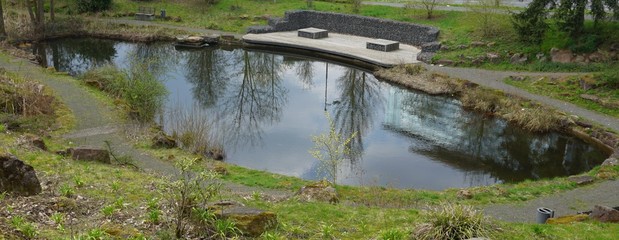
{"x": 585, "y": 44}
{"x": 393, "y": 234}
{"x": 356, "y": 6}
{"x": 610, "y": 77}
{"x": 25, "y": 98}
{"x": 331, "y": 149}
{"x": 93, "y": 5}
{"x": 145, "y": 94}
{"x": 192, "y": 127}
{"x": 530, "y": 24}
{"x": 453, "y": 222}
{"x": 138, "y": 87}
{"x": 489, "y": 22}
{"x": 187, "y": 197}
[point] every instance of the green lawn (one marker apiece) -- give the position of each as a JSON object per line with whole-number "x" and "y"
{"x": 570, "y": 90}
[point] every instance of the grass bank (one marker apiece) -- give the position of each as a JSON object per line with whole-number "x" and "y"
{"x": 596, "y": 92}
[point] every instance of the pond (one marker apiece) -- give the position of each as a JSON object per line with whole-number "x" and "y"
{"x": 263, "y": 107}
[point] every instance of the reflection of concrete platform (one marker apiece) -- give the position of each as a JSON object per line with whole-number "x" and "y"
{"x": 339, "y": 44}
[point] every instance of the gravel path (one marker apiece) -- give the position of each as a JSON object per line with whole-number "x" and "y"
{"x": 564, "y": 203}
{"x": 96, "y": 123}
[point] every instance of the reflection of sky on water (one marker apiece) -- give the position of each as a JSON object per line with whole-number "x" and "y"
{"x": 265, "y": 107}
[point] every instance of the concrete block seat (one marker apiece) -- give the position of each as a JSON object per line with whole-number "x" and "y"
{"x": 382, "y": 45}
{"x": 145, "y": 14}
{"x": 313, "y": 33}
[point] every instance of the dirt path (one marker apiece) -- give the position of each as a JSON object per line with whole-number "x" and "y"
{"x": 96, "y": 123}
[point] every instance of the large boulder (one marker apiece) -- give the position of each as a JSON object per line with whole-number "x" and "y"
{"x": 32, "y": 141}
{"x": 611, "y": 162}
{"x": 581, "y": 180}
{"x": 493, "y": 57}
{"x": 596, "y": 57}
{"x": 604, "y": 214}
{"x": 445, "y": 62}
{"x": 162, "y": 140}
{"x": 18, "y": 178}
{"x": 518, "y": 58}
{"x": 478, "y": 44}
{"x": 251, "y": 221}
{"x": 464, "y": 194}
{"x": 90, "y": 154}
{"x": 318, "y": 192}
{"x": 561, "y": 56}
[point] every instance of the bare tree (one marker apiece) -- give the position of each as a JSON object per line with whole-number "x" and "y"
{"x": 356, "y": 6}
{"x": 51, "y": 10}
{"x": 35, "y": 10}
{"x": 489, "y": 20}
{"x": 428, "y": 5}
{"x": 2, "y": 30}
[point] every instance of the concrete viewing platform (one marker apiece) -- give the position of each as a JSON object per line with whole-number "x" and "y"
{"x": 350, "y": 46}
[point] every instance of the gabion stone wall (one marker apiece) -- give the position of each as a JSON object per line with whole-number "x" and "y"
{"x": 408, "y": 33}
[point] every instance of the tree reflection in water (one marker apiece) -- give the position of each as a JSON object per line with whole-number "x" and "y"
{"x": 486, "y": 148}
{"x": 354, "y": 113}
{"x": 253, "y": 101}
{"x": 264, "y": 107}
{"x": 207, "y": 71}
{"x": 75, "y": 56}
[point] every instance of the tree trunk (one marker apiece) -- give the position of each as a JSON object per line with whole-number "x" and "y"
{"x": 51, "y": 10}
{"x": 2, "y": 30}
{"x": 40, "y": 16}
{"x": 30, "y": 12}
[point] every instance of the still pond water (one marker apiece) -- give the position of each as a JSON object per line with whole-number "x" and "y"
{"x": 264, "y": 107}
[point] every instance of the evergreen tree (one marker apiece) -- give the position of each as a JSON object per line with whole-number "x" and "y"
{"x": 569, "y": 15}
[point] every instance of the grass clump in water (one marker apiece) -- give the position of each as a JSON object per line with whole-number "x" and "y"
{"x": 136, "y": 87}
{"x": 452, "y": 221}
{"x": 530, "y": 116}
{"x": 192, "y": 128}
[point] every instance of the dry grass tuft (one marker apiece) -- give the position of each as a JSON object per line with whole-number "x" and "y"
{"x": 416, "y": 77}
{"x": 451, "y": 221}
{"x": 481, "y": 100}
{"x": 25, "y": 98}
{"x": 192, "y": 128}
{"x": 535, "y": 118}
